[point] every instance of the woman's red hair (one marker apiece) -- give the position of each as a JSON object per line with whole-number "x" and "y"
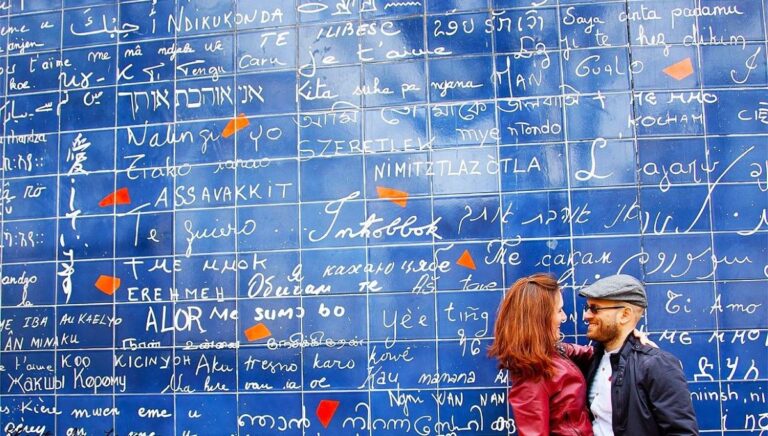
{"x": 524, "y": 338}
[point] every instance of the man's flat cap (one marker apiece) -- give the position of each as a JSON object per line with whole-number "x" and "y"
{"x": 619, "y": 287}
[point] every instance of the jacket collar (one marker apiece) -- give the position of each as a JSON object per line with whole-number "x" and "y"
{"x": 618, "y": 359}
{"x": 630, "y": 343}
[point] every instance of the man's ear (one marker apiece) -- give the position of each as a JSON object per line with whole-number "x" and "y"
{"x": 627, "y": 315}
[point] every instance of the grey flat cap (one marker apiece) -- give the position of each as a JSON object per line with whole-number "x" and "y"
{"x": 620, "y": 287}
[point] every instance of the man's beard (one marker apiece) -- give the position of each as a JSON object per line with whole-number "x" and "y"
{"x": 603, "y": 332}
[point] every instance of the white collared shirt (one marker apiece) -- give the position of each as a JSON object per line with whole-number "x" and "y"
{"x": 600, "y": 398}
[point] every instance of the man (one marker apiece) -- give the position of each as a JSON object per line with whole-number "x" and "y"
{"x": 633, "y": 389}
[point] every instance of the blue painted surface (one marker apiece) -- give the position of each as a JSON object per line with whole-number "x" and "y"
{"x": 384, "y": 141}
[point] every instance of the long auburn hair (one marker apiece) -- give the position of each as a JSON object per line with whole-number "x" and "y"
{"x": 524, "y": 339}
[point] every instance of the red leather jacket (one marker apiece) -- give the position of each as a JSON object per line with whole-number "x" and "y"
{"x": 556, "y": 406}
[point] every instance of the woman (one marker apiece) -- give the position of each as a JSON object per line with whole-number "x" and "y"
{"x": 548, "y": 392}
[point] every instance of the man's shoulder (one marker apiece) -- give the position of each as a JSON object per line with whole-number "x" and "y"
{"x": 657, "y": 355}
{"x": 641, "y": 352}
{"x": 655, "y": 361}
{"x": 647, "y": 352}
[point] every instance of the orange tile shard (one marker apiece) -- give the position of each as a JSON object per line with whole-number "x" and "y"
{"x": 396, "y": 196}
{"x": 259, "y": 331}
{"x": 118, "y": 197}
{"x": 107, "y": 284}
{"x": 325, "y": 411}
{"x": 680, "y": 70}
{"x": 466, "y": 260}
{"x": 235, "y": 124}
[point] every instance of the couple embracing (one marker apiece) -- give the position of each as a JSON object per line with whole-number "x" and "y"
{"x": 623, "y": 385}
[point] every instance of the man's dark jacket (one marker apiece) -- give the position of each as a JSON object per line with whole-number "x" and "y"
{"x": 649, "y": 394}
